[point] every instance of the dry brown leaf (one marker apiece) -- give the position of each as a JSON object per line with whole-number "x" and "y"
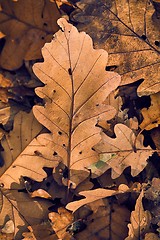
{"x": 61, "y": 2}
{"x": 61, "y": 221}
{"x": 74, "y": 93}
{"x": 130, "y": 32}
{"x": 40, "y": 231}
{"x": 152, "y": 114}
{"x": 21, "y": 209}
{"x": 25, "y": 129}
{"x": 96, "y": 194}
{"x": 119, "y": 153}
{"x": 90, "y": 196}
{"x": 7, "y": 113}
{"x": 140, "y": 220}
{"x": 108, "y": 221}
{"x": 27, "y": 26}
{"x": 151, "y": 236}
{"x": 5, "y": 83}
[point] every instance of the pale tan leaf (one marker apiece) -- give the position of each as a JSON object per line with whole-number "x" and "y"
{"x": 130, "y": 32}
{"x": 74, "y": 93}
{"x": 90, "y": 196}
{"x": 120, "y": 152}
{"x": 140, "y": 220}
{"x": 152, "y": 114}
{"x": 27, "y": 26}
{"x": 8, "y": 227}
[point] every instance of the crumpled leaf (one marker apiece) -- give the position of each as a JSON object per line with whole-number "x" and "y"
{"x": 74, "y": 93}
{"x": 152, "y": 114}
{"x": 15, "y": 142}
{"x": 60, "y": 222}
{"x": 119, "y": 153}
{"x": 5, "y": 83}
{"x": 130, "y": 32}
{"x": 27, "y": 26}
{"x": 140, "y": 220}
{"x": 108, "y": 221}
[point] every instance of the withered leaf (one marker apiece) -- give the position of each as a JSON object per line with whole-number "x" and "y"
{"x": 108, "y": 221}
{"x": 120, "y": 152}
{"x": 60, "y": 221}
{"x": 140, "y": 220}
{"x": 129, "y": 31}
{"x": 21, "y": 209}
{"x": 152, "y": 114}
{"x": 74, "y": 93}
{"x": 27, "y": 26}
{"x": 14, "y": 143}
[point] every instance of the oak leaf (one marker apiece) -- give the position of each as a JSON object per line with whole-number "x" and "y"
{"x": 108, "y": 221}
{"x": 27, "y": 26}
{"x": 21, "y": 209}
{"x": 119, "y": 153}
{"x": 60, "y": 221}
{"x": 140, "y": 220}
{"x": 152, "y": 114}
{"x": 74, "y": 93}
{"x": 129, "y": 31}
{"x": 15, "y": 142}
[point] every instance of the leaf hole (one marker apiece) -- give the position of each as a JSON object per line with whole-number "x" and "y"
{"x": 64, "y": 145}
{"x": 45, "y": 24}
{"x": 13, "y": 166}
{"x": 111, "y": 68}
{"x": 42, "y": 38}
{"x": 93, "y": 149}
{"x": 60, "y": 133}
{"x": 54, "y": 91}
{"x": 157, "y": 43}
{"x": 97, "y": 104}
{"x": 80, "y": 152}
{"x": 144, "y": 37}
{"x": 55, "y": 153}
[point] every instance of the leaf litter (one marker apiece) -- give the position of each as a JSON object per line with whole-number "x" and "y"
{"x": 76, "y": 155}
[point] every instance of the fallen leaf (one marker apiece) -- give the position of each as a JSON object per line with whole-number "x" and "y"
{"x": 16, "y": 141}
{"x": 119, "y": 153}
{"x": 151, "y": 236}
{"x": 21, "y": 209}
{"x": 152, "y": 114}
{"x": 61, "y": 2}
{"x": 60, "y": 221}
{"x": 40, "y": 231}
{"x": 140, "y": 220}
{"x": 90, "y": 196}
{"x": 108, "y": 221}
{"x": 129, "y": 31}
{"x": 8, "y": 112}
{"x": 73, "y": 106}
{"x": 27, "y": 26}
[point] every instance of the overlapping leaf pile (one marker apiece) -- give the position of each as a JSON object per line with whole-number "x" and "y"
{"x": 84, "y": 163}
